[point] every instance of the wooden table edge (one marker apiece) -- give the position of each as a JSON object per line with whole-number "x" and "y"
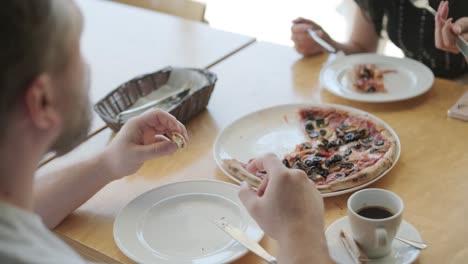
{"x": 86, "y": 252}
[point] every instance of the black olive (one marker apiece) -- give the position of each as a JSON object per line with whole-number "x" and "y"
{"x": 309, "y": 126}
{"x": 309, "y": 163}
{"x": 379, "y": 142}
{"x": 349, "y": 137}
{"x": 300, "y": 165}
{"x": 328, "y": 163}
{"x": 349, "y": 172}
{"x": 339, "y": 175}
{"x": 367, "y": 72}
{"x": 324, "y": 172}
{"x": 336, "y": 158}
{"x": 310, "y": 117}
{"x": 320, "y": 122}
{"x": 313, "y": 134}
{"x": 357, "y": 146}
{"x": 348, "y": 152}
{"x": 313, "y": 170}
{"x": 320, "y": 155}
{"x": 316, "y": 160}
{"x": 323, "y": 132}
{"x": 347, "y": 165}
{"x": 343, "y": 126}
{"x": 286, "y": 163}
{"x": 371, "y": 89}
{"x": 323, "y": 143}
{"x": 362, "y": 133}
{"x": 333, "y": 144}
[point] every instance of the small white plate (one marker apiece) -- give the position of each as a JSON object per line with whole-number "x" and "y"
{"x": 276, "y": 130}
{"x": 401, "y": 252}
{"x": 172, "y": 224}
{"x": 411, "y": 78}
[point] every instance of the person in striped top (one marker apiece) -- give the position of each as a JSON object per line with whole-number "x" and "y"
{"x": 420, "y": 35}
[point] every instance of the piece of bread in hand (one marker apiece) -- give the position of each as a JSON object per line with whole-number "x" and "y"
{"x": 179, "y": 140}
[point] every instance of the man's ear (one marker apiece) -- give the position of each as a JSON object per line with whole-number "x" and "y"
{"x": 40, "y": 103}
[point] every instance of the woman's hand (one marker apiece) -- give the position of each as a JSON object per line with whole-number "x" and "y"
{"x": 446, "y": 31}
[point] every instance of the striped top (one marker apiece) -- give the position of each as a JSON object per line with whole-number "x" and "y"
{"x": 412, "y": 30}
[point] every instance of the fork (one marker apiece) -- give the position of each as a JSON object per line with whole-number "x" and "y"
{"x": 459, "y": 41}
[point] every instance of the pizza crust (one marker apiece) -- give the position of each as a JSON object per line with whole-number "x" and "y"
{"x": 237, "y": 170}
{"x": 367, "y": 174}
{"x": 361, "y": 177}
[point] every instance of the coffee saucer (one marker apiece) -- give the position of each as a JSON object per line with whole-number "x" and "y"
{"x": 401, "y": 253}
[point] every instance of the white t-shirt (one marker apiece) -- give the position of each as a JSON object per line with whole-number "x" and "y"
{"x": 25, "y": 239}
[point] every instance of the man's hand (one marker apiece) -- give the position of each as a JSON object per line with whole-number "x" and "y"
{"x": 446, "y": 31}
{"x": 286, "y": 200}
{"x": 140, "y": 139}
{"x": 303, "y": 43}
{"x": 288, "y": 208}
{"x": 60, "y": 192}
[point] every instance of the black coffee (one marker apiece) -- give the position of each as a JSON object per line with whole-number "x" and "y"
{"x": 375, "y": 212}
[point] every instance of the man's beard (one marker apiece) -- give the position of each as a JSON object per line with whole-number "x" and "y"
{"x": 77, "y": 123}
{"x": 77, "y": 120}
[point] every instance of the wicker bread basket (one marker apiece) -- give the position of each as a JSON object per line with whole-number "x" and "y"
{"x": 125, "y": 96}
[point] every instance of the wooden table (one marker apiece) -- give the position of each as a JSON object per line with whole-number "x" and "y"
{"x": 430, "y": 175}
{"x": 121, "y": 42}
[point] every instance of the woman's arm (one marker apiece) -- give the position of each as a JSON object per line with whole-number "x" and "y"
{"x": 363, "y": 37}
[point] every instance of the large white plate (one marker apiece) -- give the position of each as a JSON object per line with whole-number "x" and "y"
{"x": 276, "y": 130}
{"x": 411, "y": 78}
{"x": 172, "y": 224}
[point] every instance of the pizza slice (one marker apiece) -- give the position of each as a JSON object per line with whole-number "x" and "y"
{"x": 239, "y": 171}
{"x": 368, "y": 79}
{"x": 341, "y": 151}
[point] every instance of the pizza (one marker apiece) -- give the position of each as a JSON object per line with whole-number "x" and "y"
{"x": 367, "y": 78}
{"x": 342, "y": 150}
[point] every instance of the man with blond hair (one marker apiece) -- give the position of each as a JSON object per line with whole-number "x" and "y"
{"x": 44, "y": 107}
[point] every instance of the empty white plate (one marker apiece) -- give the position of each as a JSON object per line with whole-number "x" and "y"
{"x": 410, "y": 79}
{"x": 172, "y": 224}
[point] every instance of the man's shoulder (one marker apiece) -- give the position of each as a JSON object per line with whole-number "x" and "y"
{"x": 25, "y": 239}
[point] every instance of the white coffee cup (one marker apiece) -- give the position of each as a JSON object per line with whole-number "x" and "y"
{"x": 375, "y": 236}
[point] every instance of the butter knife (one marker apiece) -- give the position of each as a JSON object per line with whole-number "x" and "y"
{"x": 170, "y": 99}
{"x": 244, "y": 240}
